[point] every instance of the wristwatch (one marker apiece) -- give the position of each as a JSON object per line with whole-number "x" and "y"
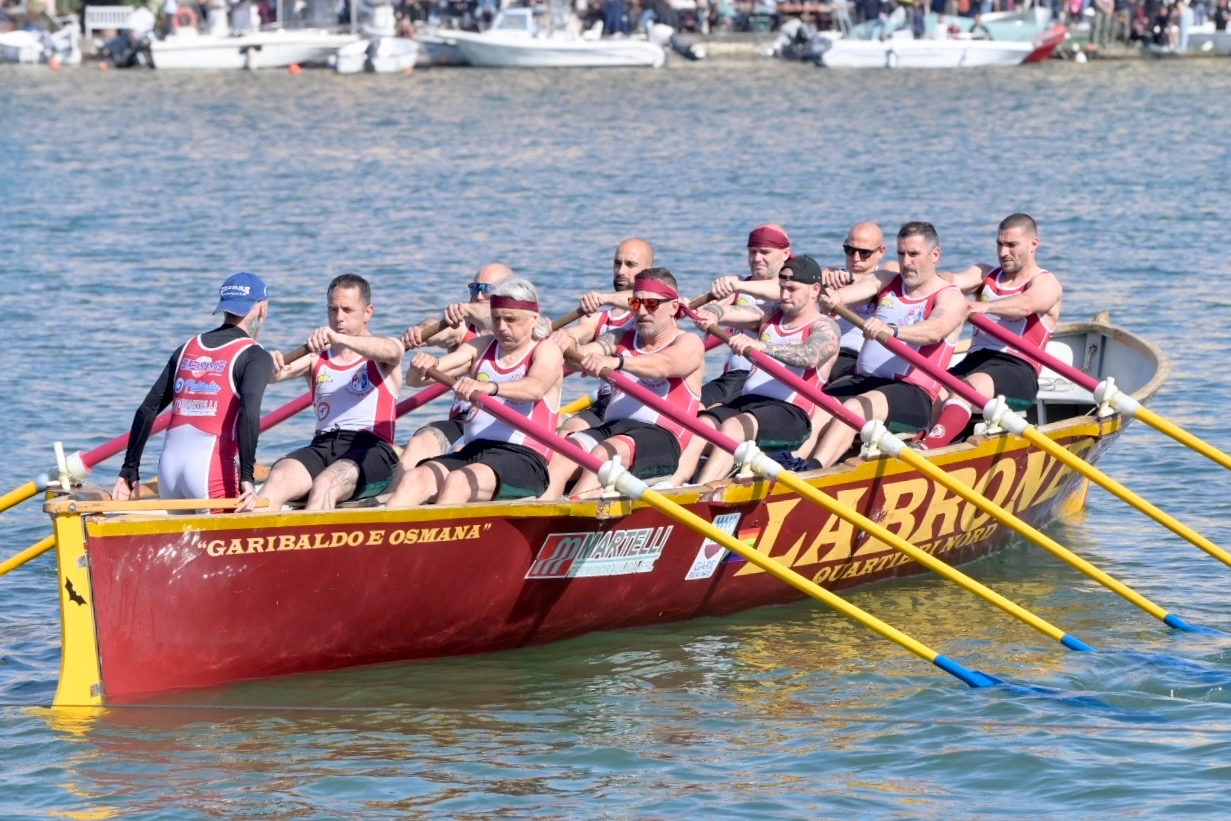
{"x": 895, "y": 330}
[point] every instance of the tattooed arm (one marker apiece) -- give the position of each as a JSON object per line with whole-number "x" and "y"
{"x": 820, "y": 346}
{"x": 605, "y": 345}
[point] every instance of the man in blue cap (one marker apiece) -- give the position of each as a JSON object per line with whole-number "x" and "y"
{"x": 214, "y": 383}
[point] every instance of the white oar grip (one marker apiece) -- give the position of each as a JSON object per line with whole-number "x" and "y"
{"x": 998, "y": 415}
{"x": 613, "y": 474}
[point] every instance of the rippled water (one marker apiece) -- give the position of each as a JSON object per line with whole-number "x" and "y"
{"x": 125, "y": 198}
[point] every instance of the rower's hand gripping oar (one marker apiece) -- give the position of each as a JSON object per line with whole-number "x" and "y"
{"x": 748, "y": 453}
{"x": 611, "y": 473}
{"x": 1104, "y": 392}
{"x": 875, "y": 433}
{"x": 995, "y": 412}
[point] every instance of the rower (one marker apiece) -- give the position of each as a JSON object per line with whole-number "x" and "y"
{"x": 354, "y": 378}
{"x": 606, "y": 312}
{"x": 665, "y": 359}
{"x": 796, "y": 334}
{"x": 1024, "y": 299}
{"x": 916, "y": 306}
{"x": 465, "y": 321}
{"x": 522, "y": 370}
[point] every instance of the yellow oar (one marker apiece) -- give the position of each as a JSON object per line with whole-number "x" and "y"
{"x": 615, "y": 476}
{"x": 770, "y": 469}
{"x": 33, "y": 551}
{"x": 1103, "y": 391}
{"x": 895, "y": 447}
{"x": 18, "y": 495}
{"x": 997, "y": 414}
{"x": 577, "y": 405}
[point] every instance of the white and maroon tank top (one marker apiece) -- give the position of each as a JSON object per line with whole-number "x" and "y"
{"x": 673, "y": 388}
{"x": 740, "y": 363}
{"x": 543, "y": 412}
{"x": 761, "y": 383}
{"x": 894, "y": 307}
{"x": 461, "y": 407}
{"x": 205, "y": 395}
{"x": 353, "y": 397}
{"x": 1033, "y": 329}
{"x": 610, "y": 321}
{"x": 851, "y": 334}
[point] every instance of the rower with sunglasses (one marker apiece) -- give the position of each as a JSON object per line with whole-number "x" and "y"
{"x": 606, "y": 312}
{"x": 864, "y": 247}
{"x": 796, "y": 334}
{"x": 768, "y": 248}
{"x": 466, "y": 320}
{"x": 666, "y": 360}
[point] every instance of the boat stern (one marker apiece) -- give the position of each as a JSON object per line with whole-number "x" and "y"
{"x": 80, "y": 672}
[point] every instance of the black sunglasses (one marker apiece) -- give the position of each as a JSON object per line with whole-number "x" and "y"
{"x": 862, "y": 253}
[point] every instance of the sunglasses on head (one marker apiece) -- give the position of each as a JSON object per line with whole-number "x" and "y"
{"x": 476, "y": 288}
{"x": 862, "y": 253}
{"x": 649, "y": 303}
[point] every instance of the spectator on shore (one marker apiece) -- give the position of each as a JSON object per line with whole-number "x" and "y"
{"x": 1100, "y": 32}
{"x": 1222, "y": 15}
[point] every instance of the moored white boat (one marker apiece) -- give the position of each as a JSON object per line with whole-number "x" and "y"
{"x": 41, "y": 46}
{"x": 903, "y": 51}
{"x": 267, "y": 49}
{"x": 383, "y": 52}
{"x": 517, "y": 41}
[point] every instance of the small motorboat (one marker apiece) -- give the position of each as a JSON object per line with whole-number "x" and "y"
{"x": 516, "y": 40}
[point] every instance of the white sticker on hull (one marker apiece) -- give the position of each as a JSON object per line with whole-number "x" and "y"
{"x": 711, "y": 554}
{"x": 601, "y": 553}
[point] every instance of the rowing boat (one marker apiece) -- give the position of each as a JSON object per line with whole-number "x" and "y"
{"x": 152, "y": 603}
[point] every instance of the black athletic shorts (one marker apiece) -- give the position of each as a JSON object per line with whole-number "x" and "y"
{"x": 520, "y": 472}
{"x": 780, "y": 425}
{"x": 910, "y": 407}
{"x": 593, "y": 415}
{"x": 724, "y": 389}
{"x": 375, "y": 457}
{"x": 844, "y": 364}
{"x": 1013, "y": 378}
{"x": 451, "y": 429}
{"x": 656, "y": 452}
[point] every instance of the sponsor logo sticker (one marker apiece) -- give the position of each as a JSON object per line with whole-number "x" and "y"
{"x": 599, "y": 553}
{"x": 711, "y": 553}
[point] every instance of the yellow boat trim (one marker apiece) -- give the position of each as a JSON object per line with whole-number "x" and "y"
{"x": 80, "y": 675}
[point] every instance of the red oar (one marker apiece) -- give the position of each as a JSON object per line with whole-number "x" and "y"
{"x": 613, "y": 474}
{"x": 748, "y": 454}
{"x": 1105, "y": 391}
{"x": 995, "y": 412}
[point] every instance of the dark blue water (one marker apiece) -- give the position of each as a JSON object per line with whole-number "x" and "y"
{"x": 125, "y": 199}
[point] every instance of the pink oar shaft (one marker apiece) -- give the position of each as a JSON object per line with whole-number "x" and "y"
{"x": 1032, "y": 351}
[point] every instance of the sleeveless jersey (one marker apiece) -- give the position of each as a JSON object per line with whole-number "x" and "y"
{"x": 353, "y": 397}
{"x": 198, "y": 455}
{"x": 740, "y": 363}
{"x": 482, "y": 425}
{"x": 1033, "y": 328}
{"x": 893, "y": 306}
{"x": 761, "y": 383}
{"x": 461, "y": 407}
{"x": 852, "y": 336}
{"x": 609, "y": 323}
{"x": 673, "y": 388}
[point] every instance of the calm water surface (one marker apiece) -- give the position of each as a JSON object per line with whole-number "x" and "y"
{"x": 125, "y": 198}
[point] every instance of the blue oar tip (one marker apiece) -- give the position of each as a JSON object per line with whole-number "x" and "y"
{"x": 1175, "y": 622}
{"x": 1075, "y": 644}
{"x": 972, "y": 678}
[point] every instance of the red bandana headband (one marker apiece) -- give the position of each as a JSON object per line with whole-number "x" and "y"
{"x": 509, "y": 302}
{"x": 767, "y": 237}
{"x": 657, "y": 286}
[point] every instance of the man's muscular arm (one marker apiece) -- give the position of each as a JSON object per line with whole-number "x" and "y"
{"x": 820, "y": 346}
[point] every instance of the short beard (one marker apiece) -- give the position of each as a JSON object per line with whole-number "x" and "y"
{"x": 254, "y": 326}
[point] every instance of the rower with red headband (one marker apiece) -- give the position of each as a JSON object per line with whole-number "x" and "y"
{"x": 664, "y": 359}
{"x": 796, "y": 334}
{"x": 768, "y": 248}
{"x": 523, "y": 370}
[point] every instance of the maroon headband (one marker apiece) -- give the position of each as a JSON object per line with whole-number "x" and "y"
{"x": 509, "y": 302}
{"x": 657, "y": 286}
{"x": 767, "y": 237}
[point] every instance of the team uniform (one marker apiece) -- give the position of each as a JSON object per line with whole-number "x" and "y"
{"x": 519, "y": 461}
{"x": 608, "y": 321}
{"x": 730, "y": 384}
{"x": 355, "y": 420}
{"x": 909, "y": 391}
{"x": 452, "y": 427}
{"x": 656, "y": 440}
{"x": 784, "y": 416}
{"x": 214, "y": 384}
{"x": 851, "y": 341}
{"x": 1013, "y": 377}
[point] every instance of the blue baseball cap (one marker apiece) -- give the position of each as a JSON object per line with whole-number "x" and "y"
{"x": 240, "y": 293}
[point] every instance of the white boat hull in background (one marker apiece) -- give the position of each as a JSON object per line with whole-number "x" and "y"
{"x": 899, "y": 52}
{"x": 266, "y": 49}
{"x": 382, "y": 55}
{"x": 500, "y": 51}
